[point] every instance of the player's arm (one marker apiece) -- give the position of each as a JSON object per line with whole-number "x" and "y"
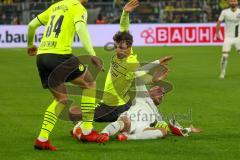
{"x": 32, "y": 26}
{"x": 218, "y": 25}
{"x": 143, "y": 78}
{"x": 158, "y": 74}
{"x": 80, "y": 21}
{"x": 148, "y": 133}
{"x": 41, "y": 19}
{"x": 128, "y": 8}
{"x": 83, "y": 34}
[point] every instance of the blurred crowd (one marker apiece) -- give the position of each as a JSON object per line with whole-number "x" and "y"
{"x": 182, "y": 11}
{"x": 109, "y": 11}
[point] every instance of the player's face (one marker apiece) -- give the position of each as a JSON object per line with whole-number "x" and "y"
{"x": 156, "y": 93}
{"x": 233, "y": 3}
{"x": 122, "y": 49}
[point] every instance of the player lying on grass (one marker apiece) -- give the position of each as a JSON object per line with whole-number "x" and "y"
{"x": 231, "y": 16}
{"x": 116, "y": 97}
{"x": 57, "y": 65}
{"x": 142, "y": 120}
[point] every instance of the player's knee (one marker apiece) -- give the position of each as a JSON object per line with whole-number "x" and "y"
{"x": 62, "y": 99}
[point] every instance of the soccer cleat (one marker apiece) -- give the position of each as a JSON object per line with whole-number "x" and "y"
{"x": 104, "y": 137}
{"x": 121, "y": 137}
{"x": 44, "y": 145}
{"x": 92, "y": 137}
{"x": 177, "y": 129}
{"x": 222, "y": 76}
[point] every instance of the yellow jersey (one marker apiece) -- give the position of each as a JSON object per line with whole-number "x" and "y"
{"x": 119, "y": 80}
{"x": 60, "y": 20}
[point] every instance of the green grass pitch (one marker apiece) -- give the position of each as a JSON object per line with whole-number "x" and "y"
{"x": 214, "y": 105}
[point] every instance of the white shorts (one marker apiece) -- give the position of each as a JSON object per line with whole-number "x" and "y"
{"x": 140, "y": 117}
{"x": 229, "y": 42}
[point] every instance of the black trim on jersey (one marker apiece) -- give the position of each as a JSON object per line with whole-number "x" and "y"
{"x": 118, "y": 71}
{"x": 40, "y": 21}
{"x": 118, "y": 63}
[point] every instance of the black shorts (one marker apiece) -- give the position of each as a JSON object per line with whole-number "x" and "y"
{"x": 104, "y": 113}
{"x": 55, "y": 69}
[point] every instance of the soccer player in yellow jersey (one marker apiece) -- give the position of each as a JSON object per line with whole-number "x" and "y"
{"x": 120, "y": 76}
{"x": 57, "y": 65}
{"x": 116, "y": 98}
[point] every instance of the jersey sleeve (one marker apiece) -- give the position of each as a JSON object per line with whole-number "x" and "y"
{"x": 80, "y": 14}
{"x": 32, "y": 26}
{"x": 44, "y": 16}
{"x": 84, "y": 36}
{"x": 80, "y": 21}
{"x": 124, "y": 21}
{"x": 141, "y": 90}
{"x": 222, "y": 16}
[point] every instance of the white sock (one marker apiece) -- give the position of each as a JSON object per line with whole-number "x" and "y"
{"x": 224, "y": 61}
{"x": 189, "y": 130}
{"x": 149, "y": 134}
{"x": 42, "y": 139}
{"x": 113, "y": 128}
{"x": 85, "y": 131}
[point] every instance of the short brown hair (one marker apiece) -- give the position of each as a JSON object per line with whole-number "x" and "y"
{"x": 123, "y": 36}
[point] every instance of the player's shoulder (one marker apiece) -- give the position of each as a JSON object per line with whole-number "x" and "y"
{"x": 133, "y": 62}
{"x": 77, "y": 6}
{"x": 226, "y": 10}
{"x": 132, "y": 58}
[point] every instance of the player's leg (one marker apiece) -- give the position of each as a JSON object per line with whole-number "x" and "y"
{"x": 225, "y": 53}
{"x": 54, "y": 70}
{"x": 148, "y": 133}
{"x": 88, "y": 101}
{"x": 224, "y": 61}
{"x": 124, "y": 123}
{"x": 51, "y": 117}
{"x": 237, "y": 45}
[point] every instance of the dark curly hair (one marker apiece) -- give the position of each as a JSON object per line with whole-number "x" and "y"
{"x": 123, "y": 36}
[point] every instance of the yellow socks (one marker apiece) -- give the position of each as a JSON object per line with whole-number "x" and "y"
{"x": 50, "y": 118}
{"x": 88, "y": 104}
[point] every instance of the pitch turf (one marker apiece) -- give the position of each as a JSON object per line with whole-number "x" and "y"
{"x": 214, "y": 105}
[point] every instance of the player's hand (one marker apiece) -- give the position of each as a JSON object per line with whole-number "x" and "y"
{"x": 32, "y": 51}
{"x": 97, "y": 62}
{"x": 131, "y": 5}
{"x": 159, "y": 75}
{"x": 164, "y": 61}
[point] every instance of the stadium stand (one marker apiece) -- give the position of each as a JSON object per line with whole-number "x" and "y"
{"x": 108, "y": 11}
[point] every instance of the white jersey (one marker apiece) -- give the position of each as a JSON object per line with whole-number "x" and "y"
{"x": 232, "y": 20}
{"x": 143, "y": 113}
